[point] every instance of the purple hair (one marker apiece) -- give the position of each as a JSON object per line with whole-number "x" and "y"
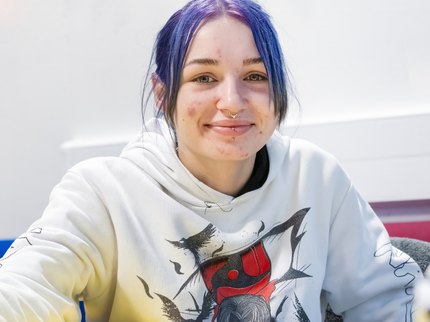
{"x": 174, "y": 39}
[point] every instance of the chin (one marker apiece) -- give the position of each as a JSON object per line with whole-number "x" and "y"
{"x": 233, "y": 152}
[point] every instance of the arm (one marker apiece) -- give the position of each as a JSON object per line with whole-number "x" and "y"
{"x": 367, "y": 279}
{"x": 65, "y": 255}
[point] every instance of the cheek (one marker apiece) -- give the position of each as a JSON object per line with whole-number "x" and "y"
{"x": 192, "y": 108}
{"x": 191, "y": 111}
{"x": 269, "y": 125}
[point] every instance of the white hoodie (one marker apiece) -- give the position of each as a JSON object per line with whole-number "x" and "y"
{"x": 138, "y": 238}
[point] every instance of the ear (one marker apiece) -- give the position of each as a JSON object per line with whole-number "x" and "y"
{"x": 158, "y": 91}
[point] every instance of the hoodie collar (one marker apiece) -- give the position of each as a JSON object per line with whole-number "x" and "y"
{"x": 154, "y": 151}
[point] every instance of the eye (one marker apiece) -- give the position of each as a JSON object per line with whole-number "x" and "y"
{"x": 204, "y": 79}
{"x": 256, "y": 78}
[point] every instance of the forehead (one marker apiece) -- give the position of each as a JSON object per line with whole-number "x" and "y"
{"x": 221, "y": 38}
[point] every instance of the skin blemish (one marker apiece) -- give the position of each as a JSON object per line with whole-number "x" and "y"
{"x": 261, "y": 132}
{"x": 222, "y": 151}
{"x": 191, "y": 111}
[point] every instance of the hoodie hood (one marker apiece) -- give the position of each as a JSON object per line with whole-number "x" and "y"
{"x": 154, "y": 152}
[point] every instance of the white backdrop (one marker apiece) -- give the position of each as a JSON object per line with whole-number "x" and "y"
{"x": 71, "y": 71}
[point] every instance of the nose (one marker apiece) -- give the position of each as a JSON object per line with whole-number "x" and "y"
{"x": 231, "y": 96}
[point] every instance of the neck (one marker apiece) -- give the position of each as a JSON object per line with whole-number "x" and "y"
{"x": 227, "y": 177}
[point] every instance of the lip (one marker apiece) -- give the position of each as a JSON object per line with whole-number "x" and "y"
{"x": 232, "y": 128}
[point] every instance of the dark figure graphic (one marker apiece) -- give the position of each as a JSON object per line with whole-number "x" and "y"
{"x": 195, "y": 242}
{"x": 246, "y": 308}
{"x": 239, "y": 284}
{"x": 171, "y": 311}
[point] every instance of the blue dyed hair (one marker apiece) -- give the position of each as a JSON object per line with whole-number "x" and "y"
{"x": 174, "y": 39}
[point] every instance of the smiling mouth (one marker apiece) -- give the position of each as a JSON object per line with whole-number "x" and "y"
{"x": 233, "y": 130}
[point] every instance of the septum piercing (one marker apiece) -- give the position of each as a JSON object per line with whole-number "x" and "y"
{"x": 233, "y": 116}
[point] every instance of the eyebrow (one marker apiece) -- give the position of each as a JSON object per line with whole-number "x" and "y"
{"x": 252, "y": 61}
{"x": 214, "y": 62}
{"x": 203, "y": 61}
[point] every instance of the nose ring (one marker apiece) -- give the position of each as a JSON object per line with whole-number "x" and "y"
{"x": 233, "y": 116}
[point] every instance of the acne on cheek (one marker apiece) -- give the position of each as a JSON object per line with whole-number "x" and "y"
{"x": 191, "y": 111}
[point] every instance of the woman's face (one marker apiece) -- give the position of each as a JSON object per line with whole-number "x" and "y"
{"x": 223, "y": 75}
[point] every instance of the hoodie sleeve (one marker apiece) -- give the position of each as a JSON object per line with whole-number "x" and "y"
{"x": 367, "y": 279}
{"x": 66, "y": 255}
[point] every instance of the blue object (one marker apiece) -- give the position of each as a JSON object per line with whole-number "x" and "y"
{"x": 4, "y": 246}
{"x": 81, "y": 305}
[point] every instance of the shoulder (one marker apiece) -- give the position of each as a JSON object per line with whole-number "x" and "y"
{"x": 100, "y": 166}
{"x": 298, "y": 147}
{"x": 310, "y": 154}
{"x": 306, "y": 161}
{"x": 308, "y": 150}
{"x": 100, "y": 173}
{"x": 103, "y": 179}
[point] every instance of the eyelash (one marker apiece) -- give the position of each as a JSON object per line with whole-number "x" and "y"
{"x": 260, "y": 78}
{"x": 211, "y": 79}
{"x": 199, "y": 79}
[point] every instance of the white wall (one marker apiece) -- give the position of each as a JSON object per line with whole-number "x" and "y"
{"x": 359, "y": 58}
{"x": 71, "y": 71}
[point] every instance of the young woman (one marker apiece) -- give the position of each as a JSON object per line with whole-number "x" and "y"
{"x": 210, "y": 214}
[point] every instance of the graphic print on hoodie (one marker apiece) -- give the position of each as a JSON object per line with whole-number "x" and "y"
{"x": 239, "y": 285}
